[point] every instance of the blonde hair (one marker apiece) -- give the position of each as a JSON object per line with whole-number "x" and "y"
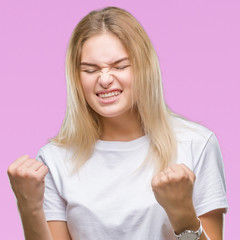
{"x": 81, "y": 126}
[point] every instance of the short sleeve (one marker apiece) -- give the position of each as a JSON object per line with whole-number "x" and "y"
{"x": 54, "y": 205}
{"x": 210, "y": 187}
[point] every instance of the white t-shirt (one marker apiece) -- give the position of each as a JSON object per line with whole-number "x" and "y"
{"x": 108, "y": 200}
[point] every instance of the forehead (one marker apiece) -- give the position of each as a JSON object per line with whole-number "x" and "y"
{"x": 103, "y": 48}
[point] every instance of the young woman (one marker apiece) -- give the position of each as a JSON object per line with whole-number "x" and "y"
{"x": 123, "y": 166}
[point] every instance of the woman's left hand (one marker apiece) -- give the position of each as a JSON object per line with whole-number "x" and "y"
{"x": 173, "y": 188}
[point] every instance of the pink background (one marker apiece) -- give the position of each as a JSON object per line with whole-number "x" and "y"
{"x": 198, "y": 43}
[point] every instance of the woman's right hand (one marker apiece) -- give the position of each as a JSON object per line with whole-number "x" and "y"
{"x": 27, "y": 176}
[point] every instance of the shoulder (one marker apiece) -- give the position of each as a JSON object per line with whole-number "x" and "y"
{"x": 52, "y": 148}
{"x": 53, "y": 154}
{"x": 188, "y": 131}
{"x": 195, "y": 140}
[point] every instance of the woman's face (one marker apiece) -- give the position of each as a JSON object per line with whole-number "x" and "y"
{"x": 106, "y": 75}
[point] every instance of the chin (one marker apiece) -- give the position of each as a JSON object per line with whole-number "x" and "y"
{"x": 109, "y": 115}
{"x": 115, "y": 114}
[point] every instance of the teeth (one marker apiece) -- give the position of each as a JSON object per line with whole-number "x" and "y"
{"x": 110, "y": 94}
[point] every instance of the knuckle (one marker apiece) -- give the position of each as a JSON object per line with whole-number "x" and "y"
{"x": 30, "y": 175}
{"x": 41, "y": 163}
{"x": 10, "y": 170}
{"x": 167, "y": 169}
{"x": 32, "y": 160}
{"x": 165, "y": 179}
{"x": 172, "y": 178}
{"x": 45, "y": 168}
{"x": 23, "y": 173}
{"x": 18, "y": 171}
{"x": 157, "y": 183}
{"x": 154, "y": 182}
{"x": 37, "y": 178}
{"x": 184, "y": 177}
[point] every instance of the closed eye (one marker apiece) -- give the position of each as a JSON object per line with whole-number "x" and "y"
{"x": 96, "y": 70}
{"x": 122, "y": 67}
{"x": 90, "y": 70}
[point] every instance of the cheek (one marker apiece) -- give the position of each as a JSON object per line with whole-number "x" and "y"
{"x": 87, "y": 86}
{"x": 127, "y": 79}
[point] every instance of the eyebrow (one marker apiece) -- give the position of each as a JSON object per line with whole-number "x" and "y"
{"x": 95, "y": 65}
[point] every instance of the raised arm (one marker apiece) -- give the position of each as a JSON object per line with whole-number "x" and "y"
{"x": 27, "y": 176}
{"x": 173, "y": 188}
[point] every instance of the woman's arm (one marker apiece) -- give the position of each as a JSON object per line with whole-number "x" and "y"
{"x": 59, "y": 230}
{"x": 173, "y": 188}
{"x": 27, "y": 176}
{"x": 213, "y": 223}
{"x": 35, "y": 226}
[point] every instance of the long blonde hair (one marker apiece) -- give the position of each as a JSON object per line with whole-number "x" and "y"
{"x": 81, "y": 126}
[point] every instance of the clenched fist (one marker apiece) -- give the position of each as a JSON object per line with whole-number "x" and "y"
{"x": 173, "y": 188}
{"x": 26, "y": 176}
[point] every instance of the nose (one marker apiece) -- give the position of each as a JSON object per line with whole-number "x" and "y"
{"x": 105, "y": 79}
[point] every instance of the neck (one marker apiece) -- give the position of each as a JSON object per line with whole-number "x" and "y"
{"x": 122, "y": 128}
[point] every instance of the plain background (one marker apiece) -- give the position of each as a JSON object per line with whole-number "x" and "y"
{"x": 198, "y": 44}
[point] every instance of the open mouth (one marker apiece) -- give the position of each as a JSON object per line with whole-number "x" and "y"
{"x": 109, "y": 94}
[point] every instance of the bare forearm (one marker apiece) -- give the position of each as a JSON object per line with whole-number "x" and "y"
{"x": 173, "y": 189}
{"x": 34, "y": 225}
{"x": 205, "y": 237}
{"x": 191, "y": 222}
{"x": 193, "y": 226}
{"x": 27, "y": 176}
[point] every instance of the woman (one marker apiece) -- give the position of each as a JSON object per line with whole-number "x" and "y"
{"x": 123, "y": 166}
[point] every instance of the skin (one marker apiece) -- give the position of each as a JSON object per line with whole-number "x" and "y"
{"x": 119, "y": 123}
{"x": 178, "y": 180}
{"x": 103, "y": 50}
